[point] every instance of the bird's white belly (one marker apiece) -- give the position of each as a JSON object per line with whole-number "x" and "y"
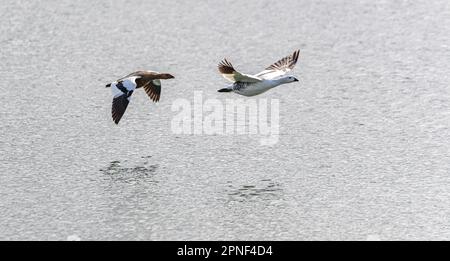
{"x": 255, "y": 88}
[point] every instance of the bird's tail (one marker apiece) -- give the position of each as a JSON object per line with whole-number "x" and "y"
{"x": 225, "y": 90}
{"x": 108, "y": 85}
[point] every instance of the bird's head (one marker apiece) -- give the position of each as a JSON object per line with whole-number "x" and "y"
{"x": 288, "y": 79}
{"x": 166, "y": 76}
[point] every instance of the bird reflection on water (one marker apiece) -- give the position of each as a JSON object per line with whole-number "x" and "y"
{"x": 265, "y": 189}
{"x": 123, "y": 170}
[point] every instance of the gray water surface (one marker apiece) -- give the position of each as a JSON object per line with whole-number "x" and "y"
{"x": 363, "y": 151}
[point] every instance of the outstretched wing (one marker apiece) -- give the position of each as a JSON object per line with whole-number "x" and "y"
{"x": 153, "y": 89}
{"x": 121, "y": 91}
{"x": 228, "y": 72}
{"x": 281, "y": 67}
{"x": 119, "y": 105}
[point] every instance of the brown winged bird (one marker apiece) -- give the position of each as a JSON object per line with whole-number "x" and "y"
{"x": 124, "y": 87}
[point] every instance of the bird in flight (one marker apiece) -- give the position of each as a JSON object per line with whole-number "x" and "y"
{"x": 251, "y": 85}
{"x": 123, "y": 88}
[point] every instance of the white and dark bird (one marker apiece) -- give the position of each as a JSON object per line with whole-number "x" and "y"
{"x": 123, "y": 88}
{"x": 250, "y": 85}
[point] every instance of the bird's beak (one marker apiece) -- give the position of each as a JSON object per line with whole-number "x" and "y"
{"x": 296, "y": 80}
